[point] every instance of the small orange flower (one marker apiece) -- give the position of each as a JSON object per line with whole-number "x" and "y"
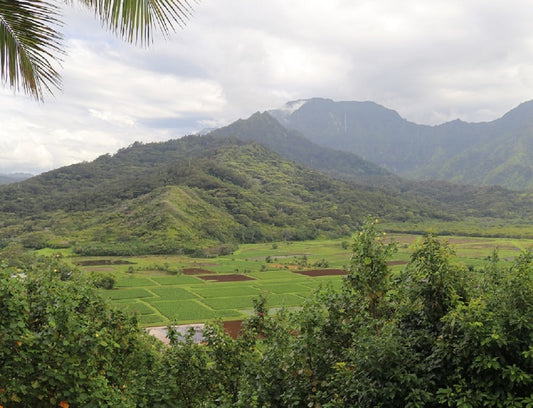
{"x": 64, "y": 404}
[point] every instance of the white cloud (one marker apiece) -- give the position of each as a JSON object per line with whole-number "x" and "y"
{"x": 430, "y": 61}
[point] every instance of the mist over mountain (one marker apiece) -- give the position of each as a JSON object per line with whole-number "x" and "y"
{"x": 499, "y": 152}
{"x": 13, "y": 177}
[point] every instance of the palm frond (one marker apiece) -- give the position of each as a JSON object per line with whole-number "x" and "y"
{"x": 29, "y": 43}
{"x": 136, "y": 20}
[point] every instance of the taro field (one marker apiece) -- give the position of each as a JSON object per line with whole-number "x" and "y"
{"x": 165, "y": 290}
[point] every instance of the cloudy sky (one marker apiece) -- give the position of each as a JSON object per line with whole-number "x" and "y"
{"x": 432, "y": 61}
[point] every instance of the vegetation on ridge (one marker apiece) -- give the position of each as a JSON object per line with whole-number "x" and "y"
{"x": 186, "y": 195}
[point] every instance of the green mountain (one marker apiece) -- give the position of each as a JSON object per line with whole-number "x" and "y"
{"x": 456, "y": 200}
{"x": 206, "y": 194}
{"x": 193, "y": 194}
{"x": 491, "y": 153}
{"x": 264, "y": 129}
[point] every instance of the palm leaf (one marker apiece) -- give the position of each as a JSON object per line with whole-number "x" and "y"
{"x": 136, "y": 20}
{"x": 29, "y": 43}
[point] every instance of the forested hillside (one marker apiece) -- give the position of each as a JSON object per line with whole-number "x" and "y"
{"x": 490, "y": 153}
{"x": 457, "y": 200}
{"x": 206, "y": 194}
{"x": 264, "y": 129}
{"x": 187, "y": 195}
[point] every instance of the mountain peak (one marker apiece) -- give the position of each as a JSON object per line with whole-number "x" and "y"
{"x": 263, "y": 128}
{"x": 522, "y": 113}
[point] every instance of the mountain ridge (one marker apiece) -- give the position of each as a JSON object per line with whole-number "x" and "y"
{"x": 482, "y": 153}
{"x": 265, "y": 129}
{"x": 206, "y": 194}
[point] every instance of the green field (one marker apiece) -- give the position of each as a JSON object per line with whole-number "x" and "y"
{"x": 155, "y": 288}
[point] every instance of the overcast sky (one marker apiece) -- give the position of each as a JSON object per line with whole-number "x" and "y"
{"x": 431, "y": 61}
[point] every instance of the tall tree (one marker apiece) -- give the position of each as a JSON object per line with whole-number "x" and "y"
{"x": 31, "y": 40}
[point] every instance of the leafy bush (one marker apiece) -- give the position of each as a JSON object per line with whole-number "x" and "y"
{"x": 103, "y": 281}
{"x": 62, "y": 345}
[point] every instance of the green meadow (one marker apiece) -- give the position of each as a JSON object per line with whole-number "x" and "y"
{"x": 169, "y": 289}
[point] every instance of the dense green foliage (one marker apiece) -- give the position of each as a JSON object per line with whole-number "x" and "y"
{"x": 196, "y": 195}
{"x": 436, "y": 335}
{"x": 205, "y": 195}
{"x": 60, "y": 342}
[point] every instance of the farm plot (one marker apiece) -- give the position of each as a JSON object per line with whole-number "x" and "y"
{"x": 322, "y": 272}
{"x": 138, "y": 307}
{"x": 126, "y": 293}
{"x": 225, "y": 290}
{"x": 190, "y": 311}
{"x": 131, "y": 282}
{"x": 188, "y": 299}
{"x": 227, "y": 303}
{"x": 173, "y": 293}
{"x": 154, "y": 319}
{"x": 280, "y": 288}
{"x": 286, "y": 300}
{"x": 230, "y": 277}
{"x": 287, "y": 276}
{"x": 333, "y": 282}
{"x": 160, "y": 298}
{"x": 177, "y": 280}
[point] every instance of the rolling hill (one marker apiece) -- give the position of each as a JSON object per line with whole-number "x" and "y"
{"x": 206, "y": 194}
{"x": 499, "y": 152}
{"x": 182, "y": 196}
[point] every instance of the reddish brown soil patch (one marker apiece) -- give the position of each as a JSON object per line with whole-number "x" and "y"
{"x": 392, "y": 263}
{"x": 234, "y": 277}
{"x": 195, "y": 271}
{"x": 323, "y": 272}
{"x": 233, "y": 327}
